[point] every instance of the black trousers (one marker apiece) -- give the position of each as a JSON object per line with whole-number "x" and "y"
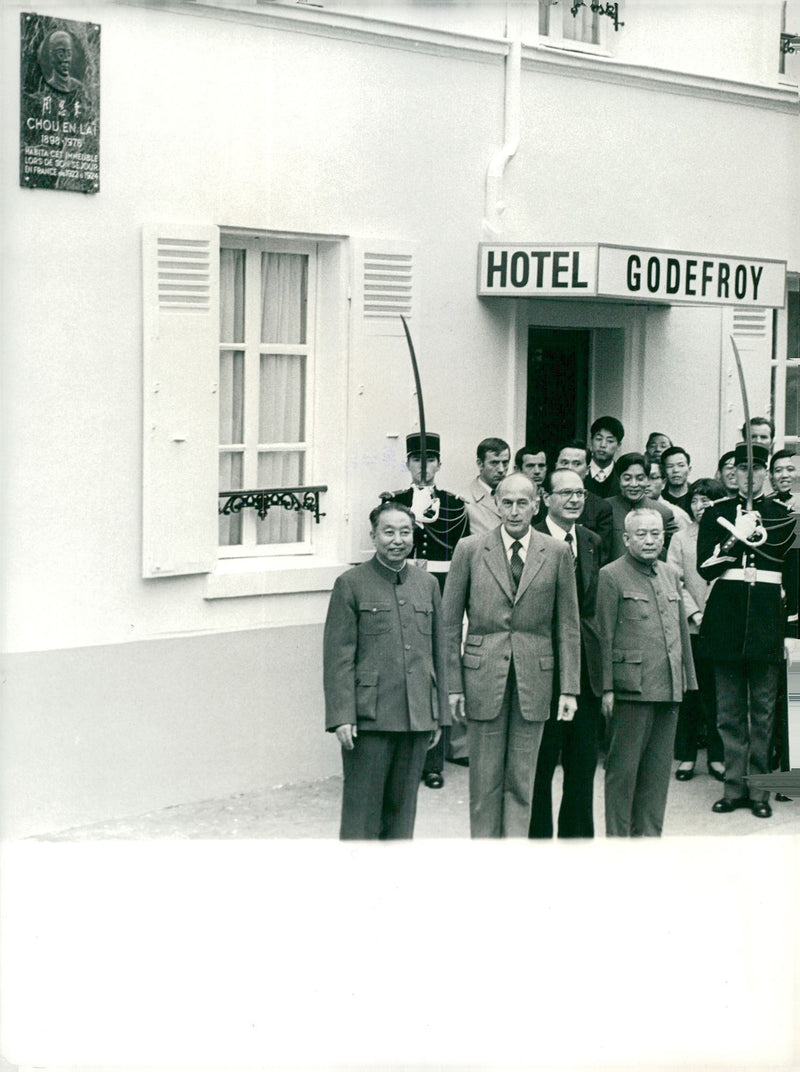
{"x": 576, "y": 745}
{"x": 381, "y": 780}
{"x": 698, "y": 711}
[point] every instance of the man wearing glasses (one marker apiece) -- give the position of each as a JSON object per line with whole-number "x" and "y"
{"x": 574, "y": 743}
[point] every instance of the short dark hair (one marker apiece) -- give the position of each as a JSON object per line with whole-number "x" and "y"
{"x": 535, "y": 449}
{"x": 548, "y": 479}
{"x": 779, "y": 455}
{"x": 384, "y": 507}
{"x": 707, "y": 486}
{"x": 759, "y": 420}
{"x": 653, "y": 435}
{"x": 728, "y": 456}
{"x": 608, "y": 424}
{"x": 670, "y": 452}
{"x": 493, "y": 445}
{"x": 655, "y": 461}
{"x": 573, "y": 444}
{"x": 626, "y": 461}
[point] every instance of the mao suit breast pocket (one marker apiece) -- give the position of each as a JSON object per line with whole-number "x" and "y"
{"x": 634, "y": 606}
{"x": 374, "y": 618}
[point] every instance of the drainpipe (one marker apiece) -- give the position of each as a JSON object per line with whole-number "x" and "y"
{"x": 493, "y": 205}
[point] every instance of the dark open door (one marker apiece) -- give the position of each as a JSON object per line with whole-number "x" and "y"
{"x": 558, "y": 385}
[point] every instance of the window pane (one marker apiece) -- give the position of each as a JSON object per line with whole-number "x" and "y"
{"x": 544, "y": 17}
{"x": 284, "y": 294}
{"x": 793, "y": 332}
{"x": 281, "y": 469}
{"x": 793, "y": 400}
{"x": 582, "y": 27}
{"x": 231, "y": 295}
{"x": 230, "y": 479}
{"x": 282, "y": 398}
{"x": 231, "y": 396}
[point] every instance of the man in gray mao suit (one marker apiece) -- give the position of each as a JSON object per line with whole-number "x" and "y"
{"x": 647, "y": 666}
{"x": 518, "y": 590}
{"x": 384, "y": 675}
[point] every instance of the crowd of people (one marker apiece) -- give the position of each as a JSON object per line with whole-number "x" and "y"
{"x": 587, "y": 602}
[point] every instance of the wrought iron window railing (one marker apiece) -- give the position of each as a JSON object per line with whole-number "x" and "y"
{"x": 262, "y": 499}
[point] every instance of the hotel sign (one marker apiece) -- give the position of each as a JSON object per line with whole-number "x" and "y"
{"x": 628, "y": 273}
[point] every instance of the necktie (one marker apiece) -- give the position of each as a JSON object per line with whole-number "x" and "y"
{"x": 516, "y": 563}
{"x": 570, "y": 540}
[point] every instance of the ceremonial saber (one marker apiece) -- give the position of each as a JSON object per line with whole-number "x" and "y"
{"x": 420, "y": 404}
{"x": 748, "y": 431}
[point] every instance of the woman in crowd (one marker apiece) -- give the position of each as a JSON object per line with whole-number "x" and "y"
{"x": 698, "y": 711}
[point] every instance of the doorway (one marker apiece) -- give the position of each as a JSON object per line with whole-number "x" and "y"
{"x": 558, "y": 385}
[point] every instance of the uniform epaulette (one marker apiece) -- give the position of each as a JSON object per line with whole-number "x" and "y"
{"x": 390, "y": 496}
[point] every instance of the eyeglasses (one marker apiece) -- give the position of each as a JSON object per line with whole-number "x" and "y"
{"x": 570, "y": 494}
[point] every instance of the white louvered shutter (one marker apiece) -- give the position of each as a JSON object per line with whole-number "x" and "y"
{"x": 383, "y": 400}
{"x": 752, "y": 330}
{"x": 181, "y": 359}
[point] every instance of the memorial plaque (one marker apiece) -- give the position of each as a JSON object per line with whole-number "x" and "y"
{"x": 59, "y": 104}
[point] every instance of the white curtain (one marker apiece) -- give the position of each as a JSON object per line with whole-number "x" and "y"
{"x": 284, "y": 293}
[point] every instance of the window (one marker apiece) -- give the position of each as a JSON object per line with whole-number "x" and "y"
{"x": 266, "y": 315}
{"x": 786, "y": 369}
{"x": 789, "y": 65}
{"x": 581, "y": 31}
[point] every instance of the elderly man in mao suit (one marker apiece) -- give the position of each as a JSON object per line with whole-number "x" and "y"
{"x": 647, "y": 666}
{"x": 517, "y": 588}
{"x": 575, "y": 743}
{"x": 384, "y": 676}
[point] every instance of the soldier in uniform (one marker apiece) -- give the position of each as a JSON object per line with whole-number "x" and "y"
{"x": 441, "y": 521}
{"x": 745, "y": 552}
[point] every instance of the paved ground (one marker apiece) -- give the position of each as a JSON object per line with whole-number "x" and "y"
{"x": 311, "y": 810}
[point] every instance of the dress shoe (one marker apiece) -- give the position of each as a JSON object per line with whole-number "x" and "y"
{"x": 761, "y": 809}
{"x": 727, "y": 804}
{"x": 685, "y": 774}
{"x": 460, "y": 761}
{"x": 434, "y": 780}
{"x": 718, "y": 774}
{"x": 782, "y": 798}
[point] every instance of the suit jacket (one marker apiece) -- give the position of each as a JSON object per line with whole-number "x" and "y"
{"x": 504, "y": 625}
{"x": 647, "y": 651}
{"x": 384, "y": 651}
{"x": 589, "y": 561}
{"x": 597, "y": 517}
{"x": 483, "y": 514}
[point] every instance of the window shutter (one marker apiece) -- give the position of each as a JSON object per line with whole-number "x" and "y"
{"x": 752, "y": 330}
{"x": 383, "y": 406}
{"x": 181, "y": 358}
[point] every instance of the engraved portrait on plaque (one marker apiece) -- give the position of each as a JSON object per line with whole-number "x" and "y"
{"x": 59, "y": 104}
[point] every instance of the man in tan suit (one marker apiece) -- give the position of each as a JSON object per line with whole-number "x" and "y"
{"x": 493, "y": 458}
{"x": 518, "y": 590}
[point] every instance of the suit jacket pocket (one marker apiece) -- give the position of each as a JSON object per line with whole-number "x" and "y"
{"x": 423, "y": 612}
{"x": 374, "y": 617}
{"x": 367, "y": 694}
{"x": 474, "y": 640}
{"x": 627, "y": 667}
{"x": 472, "y": 662}
{"x": 634, "y": 606}
{"x": 547, "y": 662}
